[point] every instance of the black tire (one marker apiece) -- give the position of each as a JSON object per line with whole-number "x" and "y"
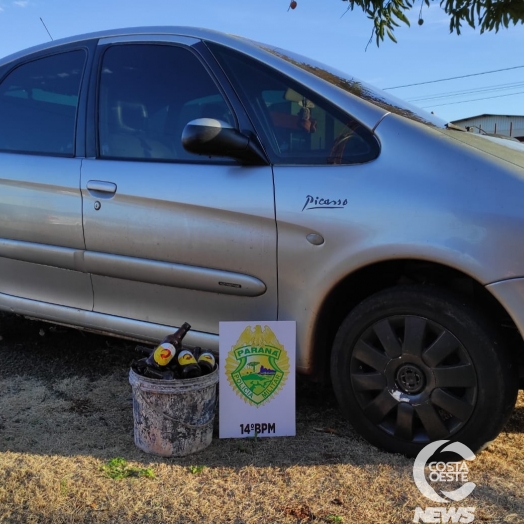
{"x": 413, "y": 364}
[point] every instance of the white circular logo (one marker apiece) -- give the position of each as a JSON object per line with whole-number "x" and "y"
{"x": 443, "y": 471}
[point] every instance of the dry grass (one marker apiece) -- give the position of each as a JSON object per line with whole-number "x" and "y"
{"x": 63, "y": 415}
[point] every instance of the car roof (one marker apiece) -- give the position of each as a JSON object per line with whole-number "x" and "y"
{"x": 195, "y": 32}
{"x": 366, "y": 111}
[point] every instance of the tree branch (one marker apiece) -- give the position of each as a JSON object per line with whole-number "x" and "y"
{"x": 486, "y": 15}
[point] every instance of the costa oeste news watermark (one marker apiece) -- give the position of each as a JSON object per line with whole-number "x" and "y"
{"x": 440, "y": 471}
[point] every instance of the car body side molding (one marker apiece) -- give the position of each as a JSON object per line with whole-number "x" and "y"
{"x": 136, "y": 269}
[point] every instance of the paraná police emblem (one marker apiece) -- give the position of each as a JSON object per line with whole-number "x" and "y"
{"x": 257, "y": 365}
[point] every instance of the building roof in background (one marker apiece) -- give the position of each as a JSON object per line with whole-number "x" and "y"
{"x": 487, "y": 115}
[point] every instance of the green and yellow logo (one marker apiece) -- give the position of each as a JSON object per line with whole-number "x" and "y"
{"x": 257, "y": 365}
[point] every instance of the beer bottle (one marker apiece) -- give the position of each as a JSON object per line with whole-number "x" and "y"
{"x": 176, "y": 338}
{"x": 187, "y": 364}
{"x": 162, "y": 374}
{"x": 206, "y": 362}
{"x": 143, "y": 350}
{"x": 161, "y": 356}
{"x": 143, "y": 368}
{"x": 169, "y": 347}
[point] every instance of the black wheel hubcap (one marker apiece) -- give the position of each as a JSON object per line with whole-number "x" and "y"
{"x": 413, "y": 378}
{"x": 410, "y": 379}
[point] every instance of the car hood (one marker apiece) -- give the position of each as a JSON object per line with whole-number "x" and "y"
{"x": 505, "y": 149}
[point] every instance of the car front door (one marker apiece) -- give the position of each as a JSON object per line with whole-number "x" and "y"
{"x": 321, "y": 156}
{"x": 172, "y": 236}
{"x": 41, "y": 237}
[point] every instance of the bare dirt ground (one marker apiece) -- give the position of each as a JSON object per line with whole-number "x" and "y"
{"x": 66, "y": 411}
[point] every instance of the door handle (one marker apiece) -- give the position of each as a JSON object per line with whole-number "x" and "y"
{"x": 100, "y": 188}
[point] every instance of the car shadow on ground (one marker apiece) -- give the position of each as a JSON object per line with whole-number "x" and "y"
{"x": 66, "y": 392}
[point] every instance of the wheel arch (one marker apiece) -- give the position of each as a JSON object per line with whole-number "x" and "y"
{"x": 373, "y": 278}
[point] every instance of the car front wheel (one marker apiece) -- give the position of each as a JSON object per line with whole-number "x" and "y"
{"x": 411, "y": 365}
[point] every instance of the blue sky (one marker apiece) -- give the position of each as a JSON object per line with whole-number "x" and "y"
{"x": 321, "y": 29}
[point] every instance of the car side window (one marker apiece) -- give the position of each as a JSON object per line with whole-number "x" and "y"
{"x": 38, "y": 104}
{"x": 300, "y": 127}
{"x": 147, "y": 94}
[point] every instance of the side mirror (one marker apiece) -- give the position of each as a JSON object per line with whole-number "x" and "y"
{"x": 211, "y": 137}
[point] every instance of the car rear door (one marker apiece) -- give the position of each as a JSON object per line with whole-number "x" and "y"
{"x": 41, "y": 237}
{"x": 171, "y": 236}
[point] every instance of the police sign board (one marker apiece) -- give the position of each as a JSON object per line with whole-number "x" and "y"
{"x": 257, "y": 379}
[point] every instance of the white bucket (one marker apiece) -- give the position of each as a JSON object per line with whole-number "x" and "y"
{"x": 173, "y": 418}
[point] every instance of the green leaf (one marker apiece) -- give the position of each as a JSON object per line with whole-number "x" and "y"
{"x": 401, "y": 16}
{"x": 390, "y": 34}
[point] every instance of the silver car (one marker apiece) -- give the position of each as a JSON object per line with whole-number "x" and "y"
{"x": 154, "y": 176}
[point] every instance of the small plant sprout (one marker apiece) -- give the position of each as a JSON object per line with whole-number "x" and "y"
{"x": 118, "y": 469}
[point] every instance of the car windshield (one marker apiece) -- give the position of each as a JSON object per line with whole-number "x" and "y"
{"x": 356, "y": 87}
